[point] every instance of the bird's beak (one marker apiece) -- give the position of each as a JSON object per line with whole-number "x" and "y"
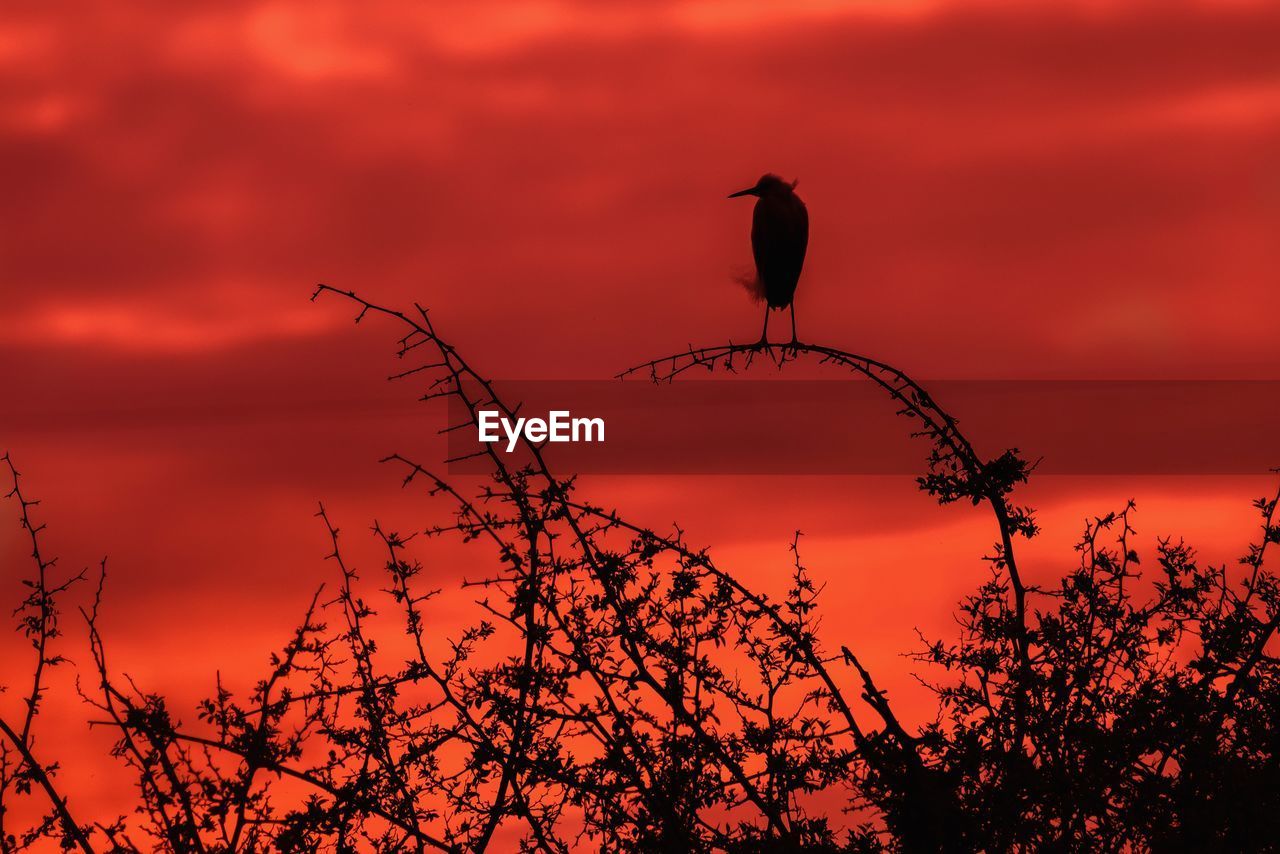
{"x": 750, "y": 191}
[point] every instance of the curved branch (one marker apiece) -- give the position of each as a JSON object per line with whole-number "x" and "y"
{"x": 956, "y": 469}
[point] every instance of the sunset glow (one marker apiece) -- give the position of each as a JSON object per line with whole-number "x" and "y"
{"x": 997, "y": 190}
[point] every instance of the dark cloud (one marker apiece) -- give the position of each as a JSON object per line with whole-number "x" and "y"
{"x": 996, "y": 168}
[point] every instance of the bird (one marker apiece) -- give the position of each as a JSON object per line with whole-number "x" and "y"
{"x": 779, "y": 237}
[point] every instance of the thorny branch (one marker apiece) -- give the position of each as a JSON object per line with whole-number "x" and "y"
{"x": 620, "y": 690}
{"x": 38, "y": 622}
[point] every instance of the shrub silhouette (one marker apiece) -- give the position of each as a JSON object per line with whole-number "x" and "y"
{"x": 619, "y": 690}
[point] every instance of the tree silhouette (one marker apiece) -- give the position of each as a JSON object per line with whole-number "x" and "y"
{"x": 619, "y": 690}
{"x": 23, "y": 771}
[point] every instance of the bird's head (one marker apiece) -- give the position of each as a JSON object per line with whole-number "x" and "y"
{"x": 768, "y": 185}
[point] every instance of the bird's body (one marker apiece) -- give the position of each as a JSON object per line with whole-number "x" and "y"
{"x": 779, "y": 238}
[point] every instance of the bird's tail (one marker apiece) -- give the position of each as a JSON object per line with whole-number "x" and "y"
{"x": 751, "y": 281}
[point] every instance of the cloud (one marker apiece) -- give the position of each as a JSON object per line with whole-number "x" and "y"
{"x": 991, "y": 171}
{"x": 150, "y": 327}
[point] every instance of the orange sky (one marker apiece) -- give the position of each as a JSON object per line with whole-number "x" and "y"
{"x": 996, "y": 189}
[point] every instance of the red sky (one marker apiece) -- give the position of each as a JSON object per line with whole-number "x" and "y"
{"x": 996, "y": 189}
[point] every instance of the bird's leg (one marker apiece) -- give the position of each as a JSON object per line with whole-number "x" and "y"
{"x": 794, "y": 341}
{"x": 764, "y": 333}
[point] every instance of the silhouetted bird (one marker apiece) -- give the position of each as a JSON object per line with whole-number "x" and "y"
{"x": 779, "y": 236}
